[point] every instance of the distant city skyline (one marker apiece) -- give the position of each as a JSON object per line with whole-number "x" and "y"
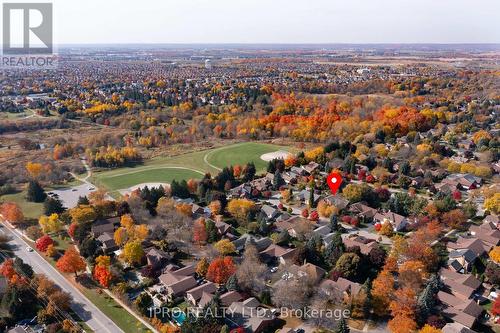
{"x": 276, "y": 21}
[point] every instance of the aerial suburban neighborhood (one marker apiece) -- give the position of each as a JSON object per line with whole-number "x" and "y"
{"x": 227, "y": 188}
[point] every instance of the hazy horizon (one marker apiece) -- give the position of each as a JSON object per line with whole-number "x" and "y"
{"x": 276, "y": 22}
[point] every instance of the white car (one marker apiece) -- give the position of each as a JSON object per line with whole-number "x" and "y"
{"x": 29, "y": 249}
{"x": 273, "y": 269}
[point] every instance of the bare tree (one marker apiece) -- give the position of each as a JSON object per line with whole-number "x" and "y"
{"x": 251, "y": 274}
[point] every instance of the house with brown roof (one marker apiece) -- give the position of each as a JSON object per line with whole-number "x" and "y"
{"x": 487, "y": 232}
{"x": 107, "y": 242}
{"x": 107, "y": 225}
{"x": 398, "y": 222}
{"x": 344, "y": 287}
{"x": 338, "y": 201}
{"x": 361, "y": 210}
{"x": 226, "y": 299}
{"x": 456, "y": 328}
{"x": 157, "y": 258}
{"x": 465, "y": 312}
{"x": 311, "y": 167}
{"x": 178, "y": 281}
{"x": 195, "y": 294}
{"x": 312, "y": 272}
{"x": 474, "y": 244}
{"x": 366, "y": 245}
{"x": 277, "y": 253}
{"x": 460, "y": 285}
{"x": 250, "y": 316}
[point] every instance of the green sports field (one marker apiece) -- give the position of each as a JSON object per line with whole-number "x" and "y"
{"x": 185, "y": 166}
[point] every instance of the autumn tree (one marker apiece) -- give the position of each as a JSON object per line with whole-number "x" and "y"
{"x": 82, "y": 214}
{"x": 495, "y": 254}
{"x": 455, "y": 219}
{"x": 71, "y": 262}
{"x": 382, "y": 292}
{"x": 215, "y": 207}
{"x": 133, "y": 252}
{"x": 12, "y": 212}
{"x": 240, "y": 209}
{"x": 225, "y": 247}
{"x": 251, "y": 273}
{"x": 220, "y": 269}
{"x": 202, "y": 267}
{"x": 50, "y": 223}
{"x": 34, "y": 169}
{"x": 429, "y": 329}
{"x": 200, "y": 232}
{"x": 101, "y": 270}
{"x": 120, "y": 236}
{"x": 43, "y": 243}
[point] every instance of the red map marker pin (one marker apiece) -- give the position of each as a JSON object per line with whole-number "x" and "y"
{"x": 334, "y": 180}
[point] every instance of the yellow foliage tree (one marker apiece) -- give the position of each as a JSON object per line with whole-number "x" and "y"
{"x": 133, "y": 252}
{"x": 495, "y": 254}
{"x": 34, "y": 169}
{"x": 493, "y": 203}
{"x": 225, "y": 247}
{"x": 240, "y": 208}
{"x": 50, "y": 223}
{"x": 83, "y": 214}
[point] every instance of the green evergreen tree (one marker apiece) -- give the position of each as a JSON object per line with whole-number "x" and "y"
{"x": 51, "y": 206}
{"x": 334, "y": 250}
{"x": 35, "y": 192}
{"x": 342, "y": 327}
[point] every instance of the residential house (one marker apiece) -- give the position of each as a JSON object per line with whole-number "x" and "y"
{"x": 304, "y": 196}
{"x": 456, "y": 328}
{"x": 311, "y": 167}
{"x": 157, "y": 258}
{"x": 487, "y": 232}
{"x": 361, "y": 210}
{"x": 250, "y": 316}
{"x": 107, "y": 225}
{"x": 178, "y": 280}
{"x": 260, "y": 243}
{"x": 107, "y": 241}
{"x": 277, "y": 253}
{"x": 292, "y": 225}
{"x": 466, "y": 181}
{"x": 366, "y": 245}
{"x": 398, "y": 222}
{"x": 269, "y": 212}
{"x": 474, "y": 244}
{"x": 345, "y": 288}
{"x": 311, "y": 271}
{"x": 338, "y": 201}
{"x": 462, "y": 260}
{"x": 225, "y": 229}
{"x": 195, "y": 294}
{"x": 465, "y": 312}
{"x": 492, "y": 219}
{"x": 226, "y": 299}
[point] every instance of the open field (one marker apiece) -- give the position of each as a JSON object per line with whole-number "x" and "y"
{"x": 185, "y": 166}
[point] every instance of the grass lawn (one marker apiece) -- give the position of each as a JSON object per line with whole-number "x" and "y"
{"x": 131, "y": 178}
{"x": 242, "y": 153}
{"x": 31, "y": 210}
{"x": 185, "y": 166}
{"x": 114, "y": 311}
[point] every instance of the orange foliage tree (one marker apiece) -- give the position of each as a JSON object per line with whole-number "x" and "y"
{"x": 220, "y": 270}
{"x": 71, "y": 262}
{"x": 12, "y": 213}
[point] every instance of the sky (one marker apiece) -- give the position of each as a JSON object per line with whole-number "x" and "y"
{"x": 276, "y": 21}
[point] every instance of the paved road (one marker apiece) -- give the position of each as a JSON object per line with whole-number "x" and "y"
{"x": 87, "y": 311}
